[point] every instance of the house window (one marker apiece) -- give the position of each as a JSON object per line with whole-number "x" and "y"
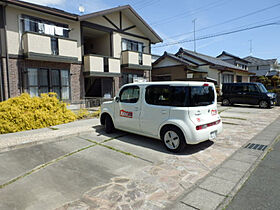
{"x": 239, "y": 78}
{"x": 227, "y": 78}
{"x": 49, "y": 80}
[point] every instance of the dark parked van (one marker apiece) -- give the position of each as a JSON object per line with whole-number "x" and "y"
{"x": 247, "y": 93}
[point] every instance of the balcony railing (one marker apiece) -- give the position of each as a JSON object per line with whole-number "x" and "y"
{"x": 101, "y": 65}
{"x": 36, "y": 45}
{"x": 131, "y": 58}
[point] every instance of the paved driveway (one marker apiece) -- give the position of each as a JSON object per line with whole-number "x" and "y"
{"x": 120, "y": 170}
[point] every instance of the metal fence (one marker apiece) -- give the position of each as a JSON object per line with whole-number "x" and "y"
{"x": 94, "y": 101}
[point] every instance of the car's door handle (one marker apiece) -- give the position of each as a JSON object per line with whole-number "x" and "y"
{"x": 163, "y": 112}
{"x": 198, "y": 113}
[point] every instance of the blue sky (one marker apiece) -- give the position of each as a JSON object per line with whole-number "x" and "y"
{"x": 172, "y": 18}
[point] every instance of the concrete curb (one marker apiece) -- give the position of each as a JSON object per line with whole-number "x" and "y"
{"x": 239, "y": 184}
{"x": 22, "y": 139}
{"x": 42, "y": 141}
{"x": 221, "y": 196}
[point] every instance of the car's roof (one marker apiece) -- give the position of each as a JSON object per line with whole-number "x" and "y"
{"x": 241, "y": 83}
{"x": 191, "y": 83}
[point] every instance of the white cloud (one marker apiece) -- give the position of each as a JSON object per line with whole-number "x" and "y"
{"x": 47, "y": 2}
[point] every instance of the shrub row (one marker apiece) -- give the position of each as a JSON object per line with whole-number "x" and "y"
{"x": 26, "y": 113}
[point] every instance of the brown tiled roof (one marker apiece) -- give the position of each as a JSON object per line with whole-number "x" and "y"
{"x": 258, "y": 61}
{"x": 211, "y": 60}
{"x": 45, "y": 9}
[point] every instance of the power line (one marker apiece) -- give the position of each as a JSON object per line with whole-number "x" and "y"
{"x": 217, "y": 35}
{"x": 190, "y": 12}
{"x": 228, "y": 21}
{"x": 148, "y": 4}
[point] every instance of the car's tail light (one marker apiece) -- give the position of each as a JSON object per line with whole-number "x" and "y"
{"x": 200, "y": 127}
{"x": 205, "y": 84}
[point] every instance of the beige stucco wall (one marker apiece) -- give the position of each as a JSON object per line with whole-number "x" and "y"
{"x": 36, "y": 44}
{"x": 129, "y": 57}
{"x": 13, "y": 28}
{"x": 147, "y": 60}
{"x": 66, "y": 47}
{"x": 93, "y": 63}
{"x": 114, "y": 65}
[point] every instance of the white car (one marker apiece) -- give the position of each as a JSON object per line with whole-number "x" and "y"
{"x": 178, "y": 113}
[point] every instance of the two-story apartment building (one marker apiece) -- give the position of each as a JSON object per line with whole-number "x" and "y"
{"x": 45, "y": 49}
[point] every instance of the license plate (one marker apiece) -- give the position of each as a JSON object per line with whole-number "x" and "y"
{"x": 213, "y": 134}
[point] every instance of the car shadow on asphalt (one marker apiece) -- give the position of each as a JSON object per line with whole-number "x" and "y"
{"x": 150, "y": 143}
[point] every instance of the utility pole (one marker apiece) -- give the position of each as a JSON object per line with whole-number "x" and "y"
{"x": 194, "y": 41}
{"x": 251, "y": 47}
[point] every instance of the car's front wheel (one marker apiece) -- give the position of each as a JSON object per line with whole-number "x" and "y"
{"x": 173, "y": 139}
{"x": 109, "y": 125}
{"x": 264, "y": 104}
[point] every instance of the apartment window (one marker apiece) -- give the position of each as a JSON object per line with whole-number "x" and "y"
{"x": 227, "y": 78}
{"x": 54, "y": 46}
{"x": 129, "y": 78}
{"x": 38, "y": 25}
{"x": 49, "y": 80}
{"x": 132, "y": 45}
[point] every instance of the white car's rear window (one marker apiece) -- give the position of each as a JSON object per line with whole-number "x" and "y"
{"x": 180, "y": 96}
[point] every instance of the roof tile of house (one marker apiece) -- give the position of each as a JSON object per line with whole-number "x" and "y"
{"x": 233, "y": 56}
{"x": 258, "y": 61}
{"x": 211, "y": 60}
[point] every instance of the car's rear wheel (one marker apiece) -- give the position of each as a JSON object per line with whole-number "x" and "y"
{"x": 173, "y": 139}
{"x": 264, "y": 104}
{"x": 225, "y": 102}
{"x": 109, "y": 125}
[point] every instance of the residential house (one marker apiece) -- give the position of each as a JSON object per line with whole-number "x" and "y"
{"x": 45, "y": 49}
{"x": 262, "y": 67}
{"x": 234, "y": 60}
{"x": 188, "y": 65}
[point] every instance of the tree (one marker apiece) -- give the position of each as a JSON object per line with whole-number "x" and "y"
{"x": 264, "y": 80}
{"x": 276, "y": 81}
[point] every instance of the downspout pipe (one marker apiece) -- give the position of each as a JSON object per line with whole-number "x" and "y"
{"x": 7, "y": 54}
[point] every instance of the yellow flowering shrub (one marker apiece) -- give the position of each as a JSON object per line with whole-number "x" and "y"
{"x": 84, "y": 113}
{"x": 26, "y": 113}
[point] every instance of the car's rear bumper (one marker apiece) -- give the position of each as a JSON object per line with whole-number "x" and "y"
{"x": 206, "y": 134}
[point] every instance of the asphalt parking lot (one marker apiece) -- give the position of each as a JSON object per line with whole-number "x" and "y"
{"x": 120, "y": 170}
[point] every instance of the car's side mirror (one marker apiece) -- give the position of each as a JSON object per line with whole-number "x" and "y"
{"x": 117, "y": 99}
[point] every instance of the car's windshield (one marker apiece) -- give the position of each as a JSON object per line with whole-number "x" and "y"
{"x": 262, "y": 88}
